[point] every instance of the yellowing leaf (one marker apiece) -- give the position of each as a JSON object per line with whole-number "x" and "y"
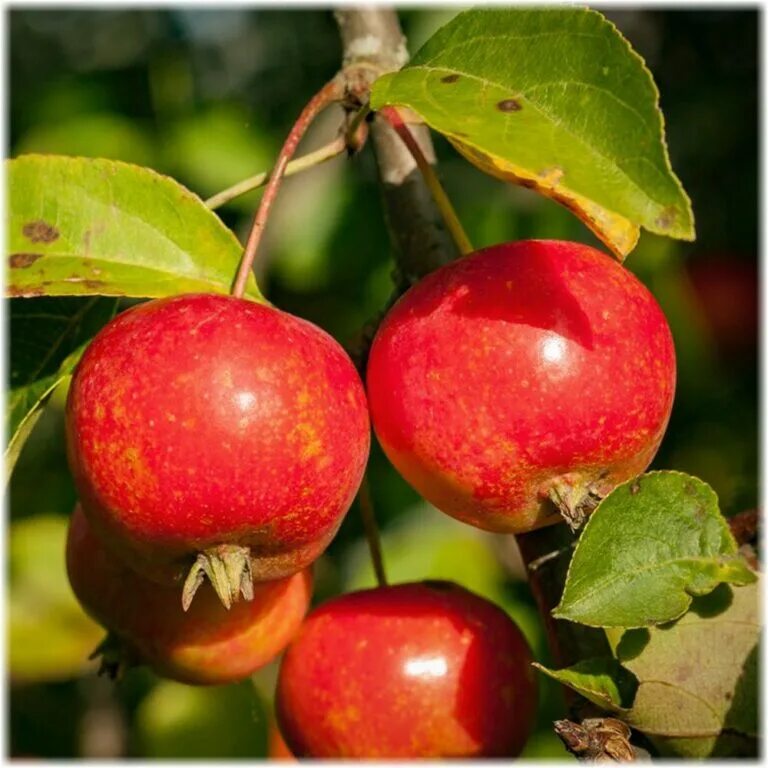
{"x": 554, "y": 99}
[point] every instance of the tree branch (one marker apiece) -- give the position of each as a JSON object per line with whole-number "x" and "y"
{"x": 372, "y": 39}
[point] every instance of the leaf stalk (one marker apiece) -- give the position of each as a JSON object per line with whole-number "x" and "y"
{"x": 393, "y": 117}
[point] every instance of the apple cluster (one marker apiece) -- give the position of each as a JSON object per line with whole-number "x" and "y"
{"x": 217, "y": 443}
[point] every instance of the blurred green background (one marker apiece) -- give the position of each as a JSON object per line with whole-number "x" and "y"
{"x": 207, "y": 96}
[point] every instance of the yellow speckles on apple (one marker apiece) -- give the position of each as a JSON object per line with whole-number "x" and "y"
{"x": 312, "y": 448}
{"x": 131, "y": 456}
{"x": 340, "y": 718}
{"x": 306, "y": 435}
{"x": 99, "y": 412}
{"x": 223, "y": 377}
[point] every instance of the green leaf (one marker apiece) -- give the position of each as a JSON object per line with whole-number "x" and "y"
{"x": 650, "y": 545}
{"x": 47, "y": 337}
{"x": 80, "y": 226}
{"x": 698, "y": 676}
{"x": 603, "y": 681}
{"x": 554, "y": 99}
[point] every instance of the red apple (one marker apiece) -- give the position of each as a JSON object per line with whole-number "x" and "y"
{"x": 206, "y": 645}
{"x": 408, "y": 671}
{"x": 219, "y": 432}
{"x": 524, "y": 379}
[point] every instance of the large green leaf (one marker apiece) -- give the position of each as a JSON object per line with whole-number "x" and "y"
{"x": 47, "y": 338}
{"x": 554, "y": 99}
{"x": 650, "y": 545}
{"x": 90, "y": 226}
{"x": 698, "y": 676}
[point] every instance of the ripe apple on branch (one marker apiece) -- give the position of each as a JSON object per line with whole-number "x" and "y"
{"x": 217, "y": 442}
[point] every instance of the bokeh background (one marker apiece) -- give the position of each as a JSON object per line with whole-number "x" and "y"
{"x": 207, "y": 96}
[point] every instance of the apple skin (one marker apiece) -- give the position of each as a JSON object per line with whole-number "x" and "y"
{"x": 408, "y": 671}
{"x": 207, "y": 645}
{"x": 520, "y": 368}
{"x": 277, "y": 749}
{"x": 203, "y": 420}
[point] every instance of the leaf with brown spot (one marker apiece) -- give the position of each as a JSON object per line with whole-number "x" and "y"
{"x": 40, "y": 232}
{"x": 23, "y": 260}
{"x": 539, "y": 88}
{"x": 120, "y": 230}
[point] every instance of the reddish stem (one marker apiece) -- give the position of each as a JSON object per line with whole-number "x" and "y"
{"x": 329, "y": 93}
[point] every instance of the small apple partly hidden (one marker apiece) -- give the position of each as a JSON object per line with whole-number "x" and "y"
{"x": 207, "y": 645}
{"x": 420, "y": 670}
{"x": 214, "y": 436}
{"x": 522, "y": 383}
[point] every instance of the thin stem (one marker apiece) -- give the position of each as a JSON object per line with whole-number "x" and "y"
{"x": 372, "y": 531}
{"x": 330, "y": 92}
{"x": 392, "y": 116}
{"x": 303, "y": 163}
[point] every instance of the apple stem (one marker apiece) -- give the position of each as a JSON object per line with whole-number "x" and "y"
{"x": 300, "y": 164}
{"x": 329, "y": 93}
{"x": 372, "y": 531}
{"x": 393, "y": 117}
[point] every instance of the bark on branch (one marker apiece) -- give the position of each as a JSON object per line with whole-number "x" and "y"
{"x": 372, "y": 39}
